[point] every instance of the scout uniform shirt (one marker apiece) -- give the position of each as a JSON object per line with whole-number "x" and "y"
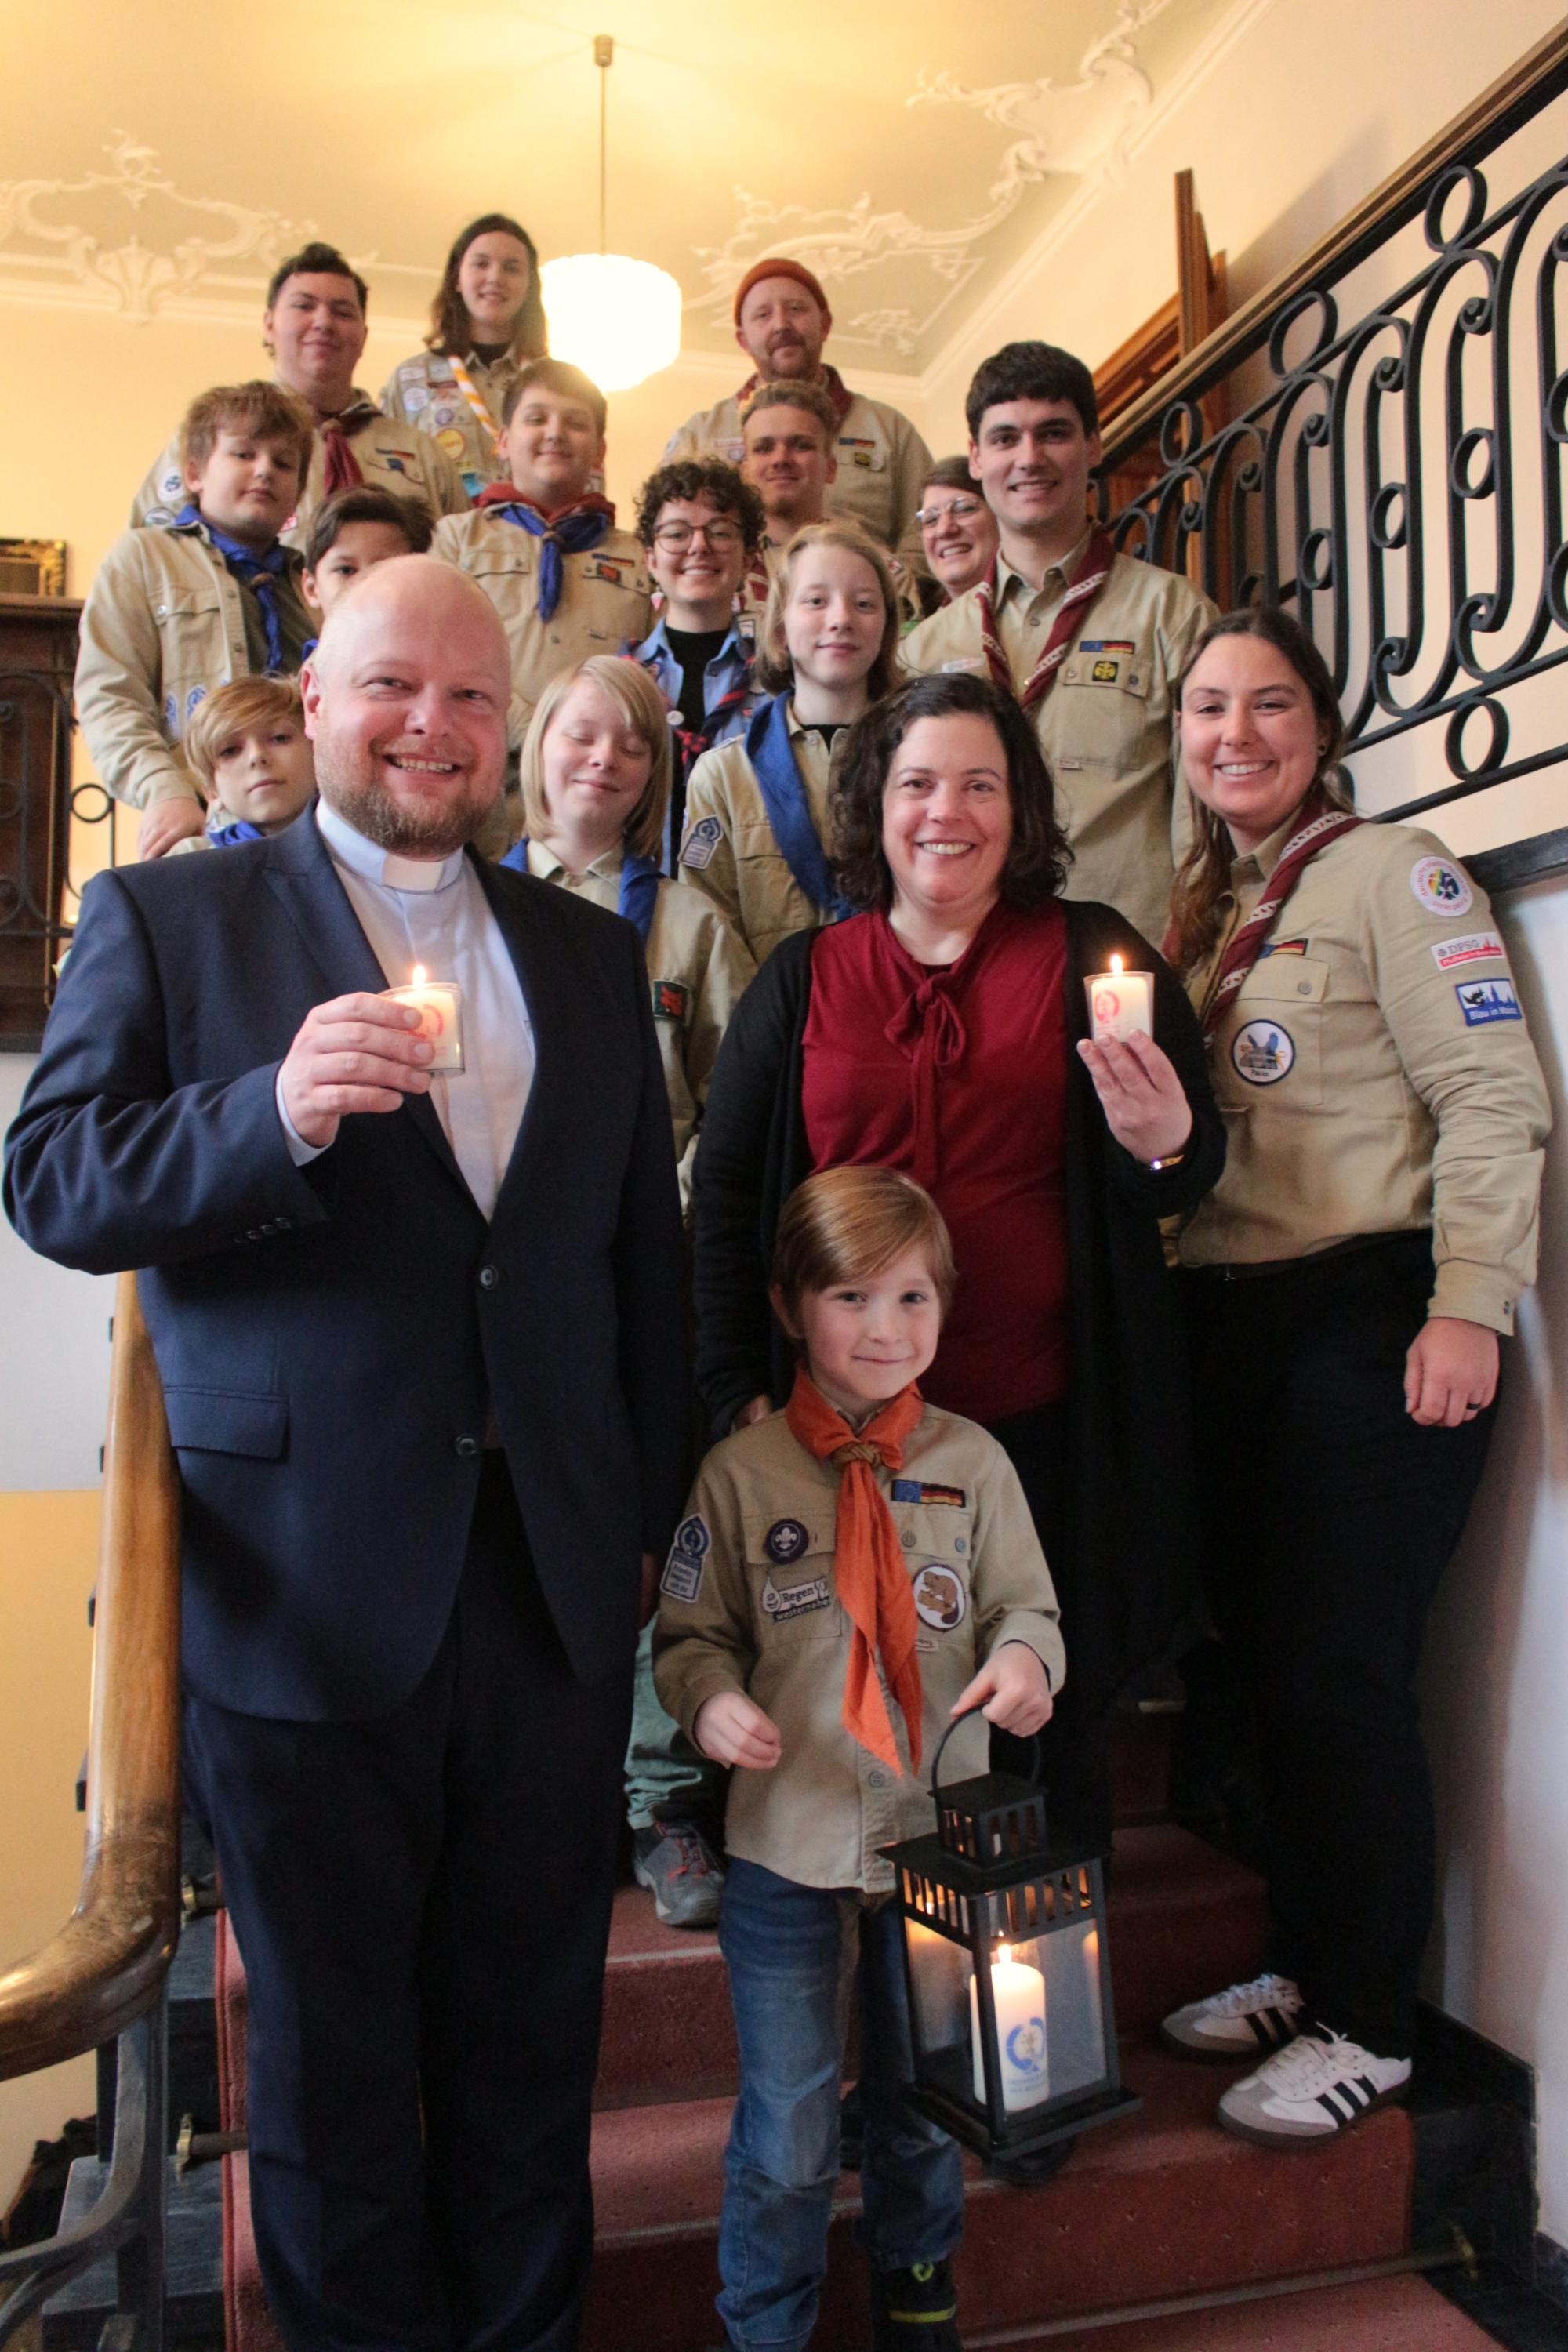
{"x": 1107, "y": 727}
{"x": 697, "y": 970}
{"x": 747, "y": 1603}
{"x": 606, "y": 602}
{"x": 391, "y": 456}
{"x": 423, "y": 391}
{"x": 1375, "y": 1074}
{"x": 728, "y": 849}
{"x": 882, "y": 466}
{"x": 165, "y": 622}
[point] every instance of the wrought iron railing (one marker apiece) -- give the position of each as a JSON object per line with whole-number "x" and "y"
{"x": 1393, "y": 468}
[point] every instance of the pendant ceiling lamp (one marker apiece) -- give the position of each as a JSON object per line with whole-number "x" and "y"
{"x": 616, "y": 319}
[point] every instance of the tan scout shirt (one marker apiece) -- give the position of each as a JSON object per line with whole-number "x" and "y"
{"x": 728, "y": 849}
{"x": 606, "y": 600}
{"x": 389, "y": 454}
{"x": 423, "y": 391}
{"x": 697, "y": 971}
{"x": 1376, "y": 1075}
{"x": 747, "y": 1604}
{"x": 1107, "y": 727}
{"x": 163, "y": 624}
{"x": 883, "y": 464}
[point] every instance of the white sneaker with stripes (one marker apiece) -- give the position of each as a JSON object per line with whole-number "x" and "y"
{"x": 1319, "y": 2085}
{"x": 1243, "y": 2021}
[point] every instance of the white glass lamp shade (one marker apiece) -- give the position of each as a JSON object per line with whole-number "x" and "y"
{"x": 616, "y": 319}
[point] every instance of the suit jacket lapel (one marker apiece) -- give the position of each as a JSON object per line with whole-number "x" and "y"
{"x": 308, "y": 887}
{"x": 539, "y": 977}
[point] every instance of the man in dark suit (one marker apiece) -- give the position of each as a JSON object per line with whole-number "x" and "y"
{"x": 420, "y": 1341}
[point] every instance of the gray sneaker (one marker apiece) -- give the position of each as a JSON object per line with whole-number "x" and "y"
{"x": 1317, "y": 2087}
{"x": 1246, "y": 2021}
{"x": 675, "y": 1862}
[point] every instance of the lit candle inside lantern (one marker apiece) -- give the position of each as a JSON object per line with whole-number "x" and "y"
{"x": 439, "y": 1006}
{"x": 1018, "y": 1993}
{"x": 1120, "y": 1004}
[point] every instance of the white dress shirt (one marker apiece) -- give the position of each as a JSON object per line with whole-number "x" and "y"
{"x": 414, "y": 911}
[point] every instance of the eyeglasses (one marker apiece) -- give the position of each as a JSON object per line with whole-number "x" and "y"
{"x": 674, "y": 536}
{"x": 955, "y": 510}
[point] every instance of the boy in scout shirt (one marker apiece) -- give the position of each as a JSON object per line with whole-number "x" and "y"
{"x": 781, "y": 321}
{"x": 248, "y": 748}
{"x": 180, "y": 608}
{"x": 542, "y": 544}
{"x": 1090, "y": 641}
{"x": 787, "y": 432}
{"x": 852, "y": 1573}
{"x": 1349, "y": 1278}
{"x": 314, "y": 328}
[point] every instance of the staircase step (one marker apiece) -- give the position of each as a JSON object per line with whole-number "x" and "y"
{"x": 1163, "y": 2204}
{"x": 1381, "y": 2315}
{"x": 194, "y": 2307}
{"x": 1184, "y": 1919}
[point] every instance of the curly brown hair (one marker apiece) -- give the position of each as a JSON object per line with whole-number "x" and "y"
{"x": 1038, "y": 854}
{"x": 691, "y": 478}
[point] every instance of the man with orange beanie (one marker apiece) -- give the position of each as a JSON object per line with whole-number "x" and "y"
{"x": 781, "y": 321}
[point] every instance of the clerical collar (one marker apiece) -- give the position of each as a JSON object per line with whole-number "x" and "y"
{"x": 384, "y": 866}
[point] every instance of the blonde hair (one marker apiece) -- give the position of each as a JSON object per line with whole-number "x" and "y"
{"x": 644, "y": 707}
{"x": 844, "y": 1224}
{"x": 774, "y": 670}
{"x": 259, "y": 407}
{"x": 232, "y": 710}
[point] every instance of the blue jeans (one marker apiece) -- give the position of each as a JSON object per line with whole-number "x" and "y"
{"x": 791, "y": 1954}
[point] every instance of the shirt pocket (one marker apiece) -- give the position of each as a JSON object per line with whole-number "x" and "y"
{"x": 789, "y": 1570}
{"x": 860, "y": 453}
{"x": 1104, "y": 707}
{"x": 937, "y": 1542}
{"x": 1275, "y": 1048}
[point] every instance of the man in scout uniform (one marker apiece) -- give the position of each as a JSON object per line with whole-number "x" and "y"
{"x": 781, "y": 321}
{"x": 542, "y": 545}
{"x": 314, "y": 328}
{"x": 1090, "y": 641}
{"x": 187, "y": 605}
{"x": 699, "y": 527}
{"x": 787, "y": 435}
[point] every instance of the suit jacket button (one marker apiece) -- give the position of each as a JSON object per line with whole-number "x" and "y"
{"x": 466, "y": 1447}
{"x": 488, "y": 1276}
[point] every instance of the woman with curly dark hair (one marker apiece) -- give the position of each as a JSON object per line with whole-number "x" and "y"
{"x": 486, "y": 320}
{"x": 941, "y": 1030}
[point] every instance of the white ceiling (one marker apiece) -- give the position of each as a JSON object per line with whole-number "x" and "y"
{"x": 161, "y": 160}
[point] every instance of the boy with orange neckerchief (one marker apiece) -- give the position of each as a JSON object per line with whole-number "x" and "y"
{"x": 852, "y": 1574}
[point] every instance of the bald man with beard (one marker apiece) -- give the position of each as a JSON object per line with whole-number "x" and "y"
{"x": 417, "y": 1337}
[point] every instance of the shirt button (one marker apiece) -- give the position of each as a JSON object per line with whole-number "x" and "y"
{"x": 958, "y": 1544}
{"x": 1303, "y": 988}
{"x": 465, "y": 1448}
{"x": 488, "y": 1276}
{"x": 876, "y": 1779}
{"x": 907, "y": 1539}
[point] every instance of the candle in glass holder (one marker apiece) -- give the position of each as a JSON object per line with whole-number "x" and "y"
{"x": 439, "y": 1006}
{"x": 1018, "y": 1994}
{"x": 1120, "y": 1004}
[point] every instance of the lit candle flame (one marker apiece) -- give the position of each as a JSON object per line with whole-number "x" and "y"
{"x": 1115, "y": 966}
{"x": 1004, "y": 1954}
{"x": 418, "y": 977}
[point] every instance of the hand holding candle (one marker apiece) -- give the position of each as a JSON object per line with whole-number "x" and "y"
{"x": 438, "y": 1003}
{"x": 1120, "y": 1004}
{"x": 357, "y": 1052}
{"x": 1145, "y": 1104}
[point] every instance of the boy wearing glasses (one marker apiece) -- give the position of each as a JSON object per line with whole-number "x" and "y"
{"x": 699, "y": 526}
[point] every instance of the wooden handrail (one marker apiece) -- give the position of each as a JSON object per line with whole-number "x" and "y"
{"x": 1540, "y": 74}
{"x": 106, "y": 1965}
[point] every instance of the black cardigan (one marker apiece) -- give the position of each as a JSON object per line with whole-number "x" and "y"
{"x": 1130, "y": 1499}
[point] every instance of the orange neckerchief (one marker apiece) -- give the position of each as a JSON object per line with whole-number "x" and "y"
{"x": 869, "y": 1566}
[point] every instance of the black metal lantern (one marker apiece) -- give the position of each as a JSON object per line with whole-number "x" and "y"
{"x": 1008, "y": 1971}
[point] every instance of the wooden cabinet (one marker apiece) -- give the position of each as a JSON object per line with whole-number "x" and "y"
{"x": 38, "y": 662}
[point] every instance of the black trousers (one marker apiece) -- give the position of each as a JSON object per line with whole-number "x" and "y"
{"x": 1331, "y": 1518}
{"x": 423, "y": 1905}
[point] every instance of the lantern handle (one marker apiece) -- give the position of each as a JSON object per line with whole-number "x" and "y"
{"x": 978, "y": 1708}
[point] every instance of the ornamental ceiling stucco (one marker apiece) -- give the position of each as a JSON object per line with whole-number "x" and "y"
{"x": 158, "y": 162}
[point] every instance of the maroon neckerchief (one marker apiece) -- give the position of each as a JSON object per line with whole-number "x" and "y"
{"x": 507, "y": 494}
{"x": 1320, "y": 824}
{"x": 692, "y": 741}
{"x": 1082, "y": 590}
{"x": 340, "y": 468}
{"x": 828, "y": 380}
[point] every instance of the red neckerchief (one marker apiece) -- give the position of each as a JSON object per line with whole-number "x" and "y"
{"x": 1320, "y": 824}
{"x": 507, "y": 494}
{"x": 828, "y": 380}
{"x": 1082, "y": 590}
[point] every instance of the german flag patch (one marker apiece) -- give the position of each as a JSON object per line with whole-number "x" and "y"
{"x": 916, "y": 1490}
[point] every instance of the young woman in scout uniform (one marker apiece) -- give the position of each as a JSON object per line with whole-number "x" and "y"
{"x": 596, "y": 768}
{"x": 794, "y": 1645}
{"x": 756, "y": 807}
{"x": 487, "y": 319}
{"x": 1348, "y": 1281}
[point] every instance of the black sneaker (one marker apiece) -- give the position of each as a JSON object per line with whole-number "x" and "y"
{"x": 675, "y": 1862}
{"x": 915, "y": 2310}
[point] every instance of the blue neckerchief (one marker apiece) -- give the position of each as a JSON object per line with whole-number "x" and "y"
{"x": 308, "y": 648}
{"x": 240, "y": 830}
{"x": 772, "y": 756}
{"x": 639, "y": 885}
{"x": 571, "y": 533}
{"x": 260, "y": 573}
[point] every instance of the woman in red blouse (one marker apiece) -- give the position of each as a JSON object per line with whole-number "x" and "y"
{"x": 942, "y": 1031}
